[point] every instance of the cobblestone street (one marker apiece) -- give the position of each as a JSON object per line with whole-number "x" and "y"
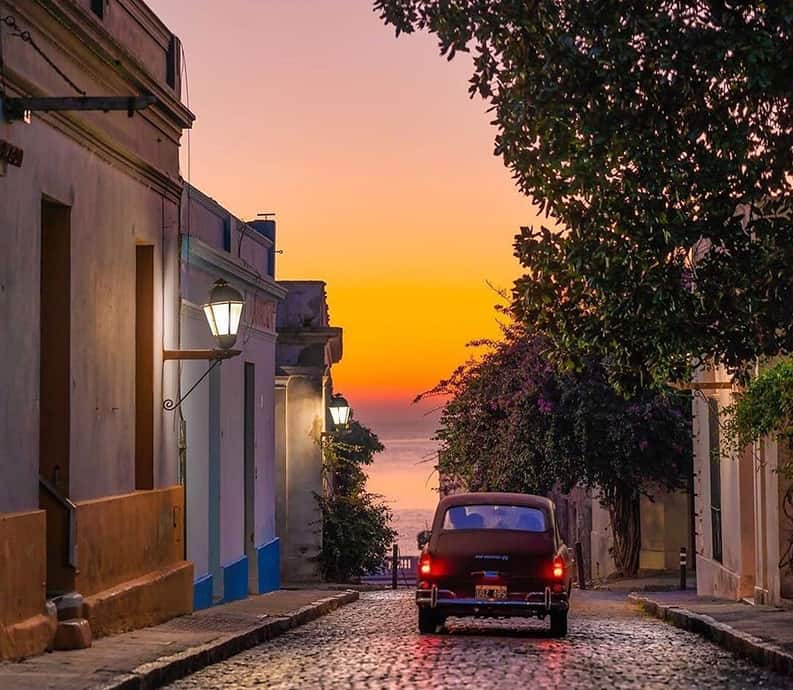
{"x": 374, "y": 644}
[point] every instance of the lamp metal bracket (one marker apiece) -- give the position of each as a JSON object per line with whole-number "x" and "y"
{"x": 17, "y": 108}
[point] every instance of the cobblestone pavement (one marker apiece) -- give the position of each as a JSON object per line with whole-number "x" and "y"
{"x": 373, "y": 644}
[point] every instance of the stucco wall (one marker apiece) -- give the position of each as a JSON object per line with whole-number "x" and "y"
{"x": 24, "y": 629}
{"x": 195, "y": 410}
{"x": 22, "y": 550}
{"x": 265, "y": 439}
{"x": 733, "y": 577}
{"x": 124, "y": 537}
{"x": 110, "y": 213}
{"x": 119, "y": 175}
{"x": 306, "y": 305}
{"x": 305, "y": 414}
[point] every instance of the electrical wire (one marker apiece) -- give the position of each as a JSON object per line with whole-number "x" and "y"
{"x": 2, "y": 64}
{"x": 27, "y": 37}
{"x": 186, "y": 83}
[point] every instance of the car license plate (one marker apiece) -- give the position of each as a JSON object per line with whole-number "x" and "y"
{"x": 491, "y": 591}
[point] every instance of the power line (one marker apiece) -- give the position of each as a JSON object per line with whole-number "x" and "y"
{"x": 27, "y": 37}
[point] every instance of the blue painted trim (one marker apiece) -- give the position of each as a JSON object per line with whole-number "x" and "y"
{"x": 269, "y": 561}
{"x": 235, "y": 580}
{"x": 202, "y": 592}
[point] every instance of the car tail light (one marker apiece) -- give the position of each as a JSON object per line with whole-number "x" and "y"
{"x": 425, "y": 565}
{"x": 558, "y": 567}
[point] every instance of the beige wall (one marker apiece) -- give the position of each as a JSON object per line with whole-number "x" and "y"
{"x": 665, "y": 529}
{"x": 120, "y": 178}
{"x": 602, "y": 541}
{"x": 733, "y": 576}
{"x": 773, "y": 527}
{"x": 302, "y": 475}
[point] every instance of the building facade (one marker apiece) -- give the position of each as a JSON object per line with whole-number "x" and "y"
{"x": 665, "y": 527}
{"x": 744, "y": 516}
{"x": 90, "y": 499}
{"x": 229, "y": 432}
{"x": 308, "y": 346}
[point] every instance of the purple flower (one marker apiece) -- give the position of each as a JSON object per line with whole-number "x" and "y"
{"x": 545, "y": 406}
{"x": 643, "y": 444}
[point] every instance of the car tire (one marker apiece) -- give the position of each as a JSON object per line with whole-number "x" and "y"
{"x": 559, "y": 623}
{"x": 428, "y": 621}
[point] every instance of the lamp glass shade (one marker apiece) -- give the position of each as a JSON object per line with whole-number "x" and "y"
{"x": 339, "y": 411}
{"x": 223, "y": 313}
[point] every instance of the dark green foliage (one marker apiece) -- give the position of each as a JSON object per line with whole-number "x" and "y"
{"x": 641, "y": 126}
{"x": 356, "y": 531}
{"x": 513, "y": 422}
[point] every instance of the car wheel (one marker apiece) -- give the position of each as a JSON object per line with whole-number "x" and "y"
{"x": 559, "y": 623}
{"x": 428, "y": 621}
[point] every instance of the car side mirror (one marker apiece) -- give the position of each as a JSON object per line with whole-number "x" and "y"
{"x": 423, "y": 538}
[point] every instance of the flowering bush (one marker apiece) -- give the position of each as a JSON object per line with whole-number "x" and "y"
{"x": 513, "y": 422}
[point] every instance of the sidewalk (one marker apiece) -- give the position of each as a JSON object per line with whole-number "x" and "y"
{"x": 646, "y": 583}
{"x": 152, "y": 657}
{"x": 763, "y": 634}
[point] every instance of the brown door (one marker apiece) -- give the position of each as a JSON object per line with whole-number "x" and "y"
{"x": 54, "y": 388}
{"x": 144, "y": 367}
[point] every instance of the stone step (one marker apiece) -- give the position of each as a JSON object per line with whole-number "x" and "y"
{"x": 69, "y": 606}
{"x": 73, "y": 634}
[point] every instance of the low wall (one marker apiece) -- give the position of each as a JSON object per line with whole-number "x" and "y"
{"x": 24, "y": 629}
{"x": 269, "y": 570}
{"x": 130, "y": 554}
{"x": 714, "y": 580}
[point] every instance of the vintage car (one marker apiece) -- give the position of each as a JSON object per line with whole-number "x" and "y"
{"x": 493, "y": 555}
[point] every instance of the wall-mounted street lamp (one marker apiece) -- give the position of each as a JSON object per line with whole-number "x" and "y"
{"x": 223, "y": 311}
{"x": 339, "y": 411}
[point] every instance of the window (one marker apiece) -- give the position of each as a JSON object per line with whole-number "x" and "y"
{"x": 172, "y": 62}
{"x": 227, "y": 234}
{"x": 98, "y": 8}
{"x": 520, "y": 518}
{"x": 714, "y": 447}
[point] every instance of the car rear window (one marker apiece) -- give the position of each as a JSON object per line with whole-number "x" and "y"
{"x": 521, "y": 518}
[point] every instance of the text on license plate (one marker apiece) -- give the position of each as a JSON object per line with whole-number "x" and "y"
{"x": 491, "y": 591}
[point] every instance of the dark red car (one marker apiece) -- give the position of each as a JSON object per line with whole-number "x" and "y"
{"x": 493, "y": 555}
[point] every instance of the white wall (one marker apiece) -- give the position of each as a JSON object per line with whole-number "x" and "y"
{"x": 265, "y": 438}
{"x": 205, "y": 260}
{"x": 195, "y": 410}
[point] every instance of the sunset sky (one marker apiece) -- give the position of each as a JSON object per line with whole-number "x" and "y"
{"x": 378, "y": 166}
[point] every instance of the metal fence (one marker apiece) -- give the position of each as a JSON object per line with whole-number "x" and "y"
{"x": 405, "y": 572}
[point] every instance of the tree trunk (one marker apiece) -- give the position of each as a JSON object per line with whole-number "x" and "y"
{"x": 626, "y": 529}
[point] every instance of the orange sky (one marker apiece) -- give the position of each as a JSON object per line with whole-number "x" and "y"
{"x": 379, "y": 167}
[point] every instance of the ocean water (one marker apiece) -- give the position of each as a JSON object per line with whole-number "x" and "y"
{"x": 408, "y": 523}
{"x": 404, "y": 475}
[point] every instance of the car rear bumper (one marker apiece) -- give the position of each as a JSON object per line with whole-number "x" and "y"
{"x": 532, "y": 604}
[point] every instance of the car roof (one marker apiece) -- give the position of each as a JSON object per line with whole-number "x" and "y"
{"x": 495, "y": 498}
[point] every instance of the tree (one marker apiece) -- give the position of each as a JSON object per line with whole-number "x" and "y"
{"x": 512, "y": 422}
{"x": 641, "y": 127}
{"x": 356, "y": 531}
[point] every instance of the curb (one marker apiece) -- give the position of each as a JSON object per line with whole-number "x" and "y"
{"x": 168, "y": 669}
{"x": 740, "y": 643}
{"x": 644, "y": 588}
